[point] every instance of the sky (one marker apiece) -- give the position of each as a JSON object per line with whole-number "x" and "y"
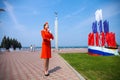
{"x": 24, "y": 19}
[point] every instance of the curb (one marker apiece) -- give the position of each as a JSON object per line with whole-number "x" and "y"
{"x": 76, "y": 73}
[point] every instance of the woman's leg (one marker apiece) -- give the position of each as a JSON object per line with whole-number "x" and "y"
{"x": 46, "y": 65}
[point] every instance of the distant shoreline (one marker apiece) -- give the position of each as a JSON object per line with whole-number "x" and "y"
{"x": 60, "y": 49}
{"x": 63, "y": 49}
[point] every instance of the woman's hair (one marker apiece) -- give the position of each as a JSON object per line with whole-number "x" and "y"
{"x": 45, "y": 25}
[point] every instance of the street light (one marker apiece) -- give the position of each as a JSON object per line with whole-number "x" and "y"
{"x": 56, "y": 31}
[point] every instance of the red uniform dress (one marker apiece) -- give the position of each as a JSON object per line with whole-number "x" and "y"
{"x": 46, "y": 44}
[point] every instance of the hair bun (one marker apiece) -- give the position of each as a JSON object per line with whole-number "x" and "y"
{"x": 46, "y": 22}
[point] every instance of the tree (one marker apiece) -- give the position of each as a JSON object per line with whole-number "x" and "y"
{"x": 19, "y": 45}
{"x": 14, "y": 44}
{"x": 9, "y": 42}
{"x": 3, "y": 43}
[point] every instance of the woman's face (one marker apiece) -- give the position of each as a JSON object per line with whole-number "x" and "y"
{"x": 46, "y": 26}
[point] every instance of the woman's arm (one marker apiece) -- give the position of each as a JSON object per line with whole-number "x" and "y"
{"x": 45, "y": 38}
{"x": 51, "y": 35}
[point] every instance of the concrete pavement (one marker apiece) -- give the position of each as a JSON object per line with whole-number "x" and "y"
{"x": 26, "y": 65}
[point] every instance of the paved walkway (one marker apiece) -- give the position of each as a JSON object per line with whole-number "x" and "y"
{"x": 25, "y": 65}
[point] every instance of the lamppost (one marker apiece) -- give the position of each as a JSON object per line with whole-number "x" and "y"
{"x": 56, "y": 31}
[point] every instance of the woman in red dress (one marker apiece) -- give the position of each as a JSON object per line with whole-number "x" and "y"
{"x": 46, "y": 47}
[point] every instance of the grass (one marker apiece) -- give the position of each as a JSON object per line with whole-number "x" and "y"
{"x": 95, "y": 67}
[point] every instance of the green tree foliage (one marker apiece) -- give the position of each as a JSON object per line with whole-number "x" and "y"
{"x": 10, "y": 43}
{"x": 3, "y": 43}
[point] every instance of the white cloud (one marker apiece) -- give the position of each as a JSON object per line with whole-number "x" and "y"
{"x": 17, "y": 30}
{"x": 9, "y": 8}
{"x": 23, "y": 33}
{"x": 110, "y": 10}
{"x": 75, "y": 13}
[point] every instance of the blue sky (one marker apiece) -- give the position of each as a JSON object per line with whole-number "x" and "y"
{"x": 23, "y": 19}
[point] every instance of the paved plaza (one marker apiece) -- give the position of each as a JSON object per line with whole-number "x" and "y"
{"x": 26, "y": 65}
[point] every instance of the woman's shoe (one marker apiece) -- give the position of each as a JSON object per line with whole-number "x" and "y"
{"x": 47, "y": 74}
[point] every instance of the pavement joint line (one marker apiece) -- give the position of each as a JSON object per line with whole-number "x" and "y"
{"x": 78, "y": 74}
